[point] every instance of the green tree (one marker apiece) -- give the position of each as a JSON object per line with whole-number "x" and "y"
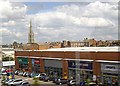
{"x": 3, "y": 79}
{"x": 7, "y": 58}
{"x": 36, "y": 82}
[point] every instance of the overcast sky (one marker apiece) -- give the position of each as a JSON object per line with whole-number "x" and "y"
{"x": 57, "y": 21}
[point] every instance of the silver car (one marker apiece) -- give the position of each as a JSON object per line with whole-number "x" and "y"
{"x": 15, "y": 82}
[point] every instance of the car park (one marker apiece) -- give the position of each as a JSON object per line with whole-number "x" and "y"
{"x": 15, "y": 82}
{"x": 61, "y": 81}
{"x": 38, "y": 75}
{"x": 92, "y": 84}
{"x": 20, "y": 73}
{"x": 42, "y": 76}
{"x": 54, "y": 79}
{"x": 28, "y": 74}
{"x": 8, "y": 81}
{"x": 4, "y": 73}
{"x": 31, "y": 75}
{"x": 25, "y": 84}
{"x": 46, "y": 78}
{"x": 24, "y": 74}
{"x": 3, "y": 81}
{"x": 16, "y": 72}
{"x": 73, "y": 82}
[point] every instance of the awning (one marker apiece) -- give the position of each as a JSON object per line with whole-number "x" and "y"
{"x": 45, "y": 58}
{"x": 107, "y": 61}
{"x": 80, "y": 60}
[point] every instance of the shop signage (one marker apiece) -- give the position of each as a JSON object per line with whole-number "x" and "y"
{"x": 8, "y": 63}
{"x": 80, "y": 64}
{"x": 110, "y": 67}
{"x": 33, "y": 61}
{"x": 23, "y": 60}
{"x": 36, "y": 61}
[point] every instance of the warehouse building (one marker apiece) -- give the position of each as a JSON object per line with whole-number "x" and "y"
{"x": 83, "y": 62}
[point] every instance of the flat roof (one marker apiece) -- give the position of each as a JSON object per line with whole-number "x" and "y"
{"x": 81, "y": 49}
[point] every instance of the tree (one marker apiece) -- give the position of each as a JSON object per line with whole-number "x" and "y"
{"x": 3, "y": 79}
{"x": 7, "y": 58}
{"x": 36, "y": 82}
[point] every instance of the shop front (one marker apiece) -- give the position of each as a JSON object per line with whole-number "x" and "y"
{"x": 109, "y": 73}
{"x": 23, "y": 63}
{"x": 36, "y": 65}
{"x": 53, "y": 68}
{"x": 80, "y": 69}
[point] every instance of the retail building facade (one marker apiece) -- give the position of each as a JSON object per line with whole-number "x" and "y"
{"x": 102, "y": 62}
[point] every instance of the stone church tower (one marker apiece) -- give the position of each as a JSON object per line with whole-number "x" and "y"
{"x": 30, "y": 34}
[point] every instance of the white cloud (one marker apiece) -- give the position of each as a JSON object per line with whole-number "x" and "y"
{"x": 60, "y": 19}
{"x": 97, "y": 9}
{"x": 72, "y": 21}
{"x": 95, "y": 22}
{"x": 9, "y": 23}
{"x": 8, "y": 33}
{"x": 5, "y": 31}
{"x": 7, "y": 10}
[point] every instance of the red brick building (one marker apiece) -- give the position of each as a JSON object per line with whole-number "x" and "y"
{"x": 102, "y": 62}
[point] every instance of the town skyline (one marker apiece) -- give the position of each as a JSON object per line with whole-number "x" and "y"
{"x": 58, "y": 21}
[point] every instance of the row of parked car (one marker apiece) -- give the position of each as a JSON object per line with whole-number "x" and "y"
{"x": 41, "y": 76}
{"x": 15, "y": 82}
{"x": 59, "y": 81}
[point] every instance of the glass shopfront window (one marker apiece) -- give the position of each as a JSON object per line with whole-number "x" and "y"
{"x": 23, "y": 63}
{"x": 36, "y": 65}
{"x": 80, "y": 69}
{"x": 109, "y": 73}
{"x": 53, "y": 68}
{"x": 53, "y": 72}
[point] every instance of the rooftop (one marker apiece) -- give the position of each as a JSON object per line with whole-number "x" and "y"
{"x": 82, "y": 49}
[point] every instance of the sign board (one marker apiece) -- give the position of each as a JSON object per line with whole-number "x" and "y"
{"x": 32, "y": 61}
{"x": 8, "y": 63}
{"x": 80, "y": 64}
{"x": 23, "y": 60}
{"x": 36, "y": 61}
{"x": 110, "y": 68}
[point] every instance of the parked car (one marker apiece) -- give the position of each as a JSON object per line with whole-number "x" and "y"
{"x": 38, "y": 75}
{"x": 54, "y": 79}
{"x": 46, "y": 78}
{"x": 25, "y": 84}
{"x": 28, "y": 74}
{"x": 73, "y": 83}
{"x": 4, "y": 73}
{"x": 61, "y": 81}
{"x": 8, "y": 81}
{"x": 15, "y": 82}
{"x": 16, "y": 72}
{"x": 32, "y": 75}
{"x": 42, "y": 76}
{"x": 20, "y": 73}
{"x": 92, "y": 84}
{"x": 24, "y": 74}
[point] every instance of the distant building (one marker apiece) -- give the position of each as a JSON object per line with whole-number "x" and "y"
{"x": 48, "y": 45}
{"x": 85, "y": 43}
{"x": 30, "y": 35}
{"x": 31, "y": 45}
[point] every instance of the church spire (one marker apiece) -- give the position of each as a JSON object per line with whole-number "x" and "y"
{"x": 30, "y": 34}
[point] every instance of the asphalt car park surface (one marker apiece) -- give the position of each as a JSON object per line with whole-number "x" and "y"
{"x": 42, "y": 83}
{"x": 0, "y": 82}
